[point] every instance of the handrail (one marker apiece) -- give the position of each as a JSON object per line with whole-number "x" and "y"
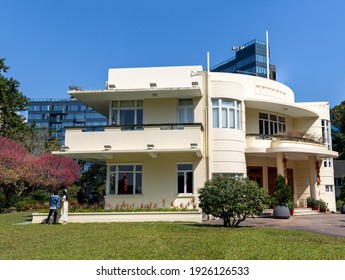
{"x": 280, "y": 137}
{"x": 142, "y": 126}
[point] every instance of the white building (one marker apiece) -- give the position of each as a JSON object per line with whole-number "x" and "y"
{"x": 172, "y": 128}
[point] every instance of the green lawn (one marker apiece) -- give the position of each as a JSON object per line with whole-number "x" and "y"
{"x": 171, "y": 241}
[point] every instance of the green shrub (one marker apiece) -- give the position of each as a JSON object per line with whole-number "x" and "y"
{"x": 233, "y": 199}
{"x": 282, "y": 192}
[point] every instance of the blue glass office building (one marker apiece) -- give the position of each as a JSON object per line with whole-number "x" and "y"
{"x": 56, "y": 114}
{"x": 250, "y": 59}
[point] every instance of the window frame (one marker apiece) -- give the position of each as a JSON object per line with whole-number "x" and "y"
{"x": 185, "y": 178}
{"x": 115, "y": 189}
{"x": 232, "y": 117}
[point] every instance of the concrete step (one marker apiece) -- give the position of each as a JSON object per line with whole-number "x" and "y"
{"x": 297, "y": 212}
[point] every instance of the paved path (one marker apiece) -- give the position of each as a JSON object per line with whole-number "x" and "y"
{"x": 330, "y": 224}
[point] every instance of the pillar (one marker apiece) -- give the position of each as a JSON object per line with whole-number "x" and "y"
{"x": 314, "y": 188}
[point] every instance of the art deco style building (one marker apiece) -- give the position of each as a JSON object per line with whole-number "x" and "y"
{"x": 172, "y": 128}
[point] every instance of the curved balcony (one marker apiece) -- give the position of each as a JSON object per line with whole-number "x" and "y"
{"x": 288, "y": 143}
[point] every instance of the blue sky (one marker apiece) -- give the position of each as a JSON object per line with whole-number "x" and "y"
{"x": 50, "y": 45}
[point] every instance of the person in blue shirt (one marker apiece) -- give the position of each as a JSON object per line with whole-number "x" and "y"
{"x": 54, "y": 205}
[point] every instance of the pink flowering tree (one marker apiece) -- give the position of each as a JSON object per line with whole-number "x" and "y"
{"x": 19, "y": 170}
{"x": 14, "y": 168}
{"x": 54, "y": 172}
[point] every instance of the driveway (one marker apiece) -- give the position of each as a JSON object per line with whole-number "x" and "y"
{"x": 330, "y": 224}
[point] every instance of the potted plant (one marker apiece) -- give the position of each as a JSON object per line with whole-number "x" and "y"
{"x": 309, "y": 202}
{"x": 291, "y": 207}
{"x": 315, "y": 204}
{"x": 322, "y": 206}
{"x": 281, "y": 196}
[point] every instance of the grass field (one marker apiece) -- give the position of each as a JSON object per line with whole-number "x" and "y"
{"x": 159, "y": 241}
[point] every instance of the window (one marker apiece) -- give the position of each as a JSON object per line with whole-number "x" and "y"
{"x": 185, "y": 178}
{"x": 326, "y": 133}
{"x": 185, "y": 111}
{"x": 327, "y": 162}
{"x": 271, "y": 124}
{"x": 226, "y": 113}
{"x": 127, "y": 112}
{"x": 329, "y": 188}
{"x": 125, "y": 179}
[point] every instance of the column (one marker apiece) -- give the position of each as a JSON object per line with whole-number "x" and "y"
{"x": 280, "y": 164}
{"x": 314, "y": 188}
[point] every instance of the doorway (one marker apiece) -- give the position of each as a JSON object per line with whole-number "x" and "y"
{"x": 255, "y": 173}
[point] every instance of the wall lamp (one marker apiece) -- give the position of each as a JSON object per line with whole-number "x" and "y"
{"x": 193, "y": 145}
{"x": 111, "y": 86}
{"x": 150, "y": 146}
{"x": 74, "y": 88}
{"x": 64, "y": 148}
{"x": 107, "y": 147}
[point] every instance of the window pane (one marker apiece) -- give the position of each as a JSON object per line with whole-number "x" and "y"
{"x": 215, "y": 117}
{"x": 185, "y": 102}
{"x": 228, "y": 103}
{"x": 138, "y": 183}
{"x": 189, "y": 115}
{"x": 187, "y": 167}
{"x": 139, "y": 103}
{"x": 189, "y": 182}
{"x": 224, "y": 118}
{"x": 126, "y": 117}
{"x": 232, "y": 118}
{"x": 215, "y": 102}
{"x": 125, "y": 183}
{"x": 139, "y": 168}
{"x": 129, "y": 103}
{"x": 112, "y": 184}
{"x": 181, "y": 115}
{"x": 139, "y": 116}
{"x": 126, "y": 168}
{"x": 114, "y": 104}
{"x": 180, "y": 182}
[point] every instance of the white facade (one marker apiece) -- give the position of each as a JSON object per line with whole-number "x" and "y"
{"x": 172, "y": 128}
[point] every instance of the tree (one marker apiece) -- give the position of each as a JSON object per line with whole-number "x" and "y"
{"x": 93, "y": 180}
{"x": 12, "y": 101}
{"x": 338, "y": 129}
{"x": 282, "y": 192}
{"x": 14, "y": 168}
{"x": 233, "y": 199}
{"x": 20, "y": 171}
{"x": 53, "y": 171}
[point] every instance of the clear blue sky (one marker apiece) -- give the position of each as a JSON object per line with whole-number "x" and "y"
{"x": 50, "y": 45}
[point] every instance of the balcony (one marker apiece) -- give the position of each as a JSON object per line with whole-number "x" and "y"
{"x": 294, "y": 144}
{"x": 152, "y": 139}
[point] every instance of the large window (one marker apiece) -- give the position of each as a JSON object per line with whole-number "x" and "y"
{"x": 127, "y": 112}
{"x": 185, "y": 178}
{"x": 185, "y": 111}
{"x": 226, "y": 113}
{"x": 125, "y": 179}
{"x": 271, "y": 124}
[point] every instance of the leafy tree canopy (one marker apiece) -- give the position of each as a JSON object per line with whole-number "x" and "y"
{"x": 233, "y": 199}
{"x": 338, "y": 129}
{"x": 12, "y": 101}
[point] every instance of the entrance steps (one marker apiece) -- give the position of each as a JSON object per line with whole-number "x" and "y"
{"x": 300, "y": 211}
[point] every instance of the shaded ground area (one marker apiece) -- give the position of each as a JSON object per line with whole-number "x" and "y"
{"x": 330, "y": 224}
